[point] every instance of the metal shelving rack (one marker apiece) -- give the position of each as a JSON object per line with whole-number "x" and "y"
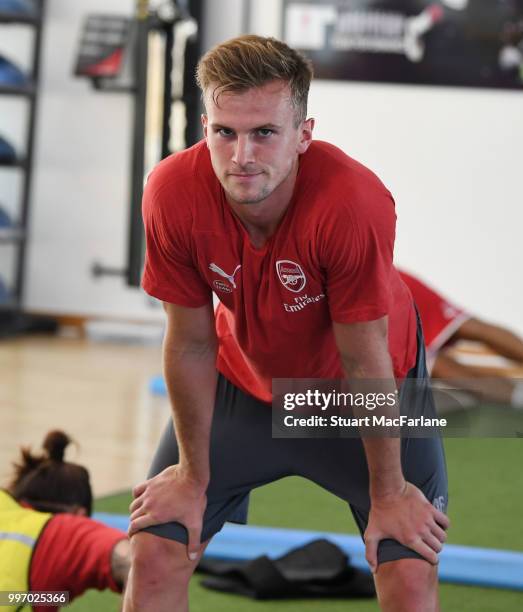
{"x": 18, "y": 235}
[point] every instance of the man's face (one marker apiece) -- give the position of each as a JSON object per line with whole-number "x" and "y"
{"x": 253, "y": 141}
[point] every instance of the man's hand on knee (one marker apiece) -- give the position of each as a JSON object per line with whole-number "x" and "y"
{"x": 170, "y": 496}
{"x": 408, "y": 518}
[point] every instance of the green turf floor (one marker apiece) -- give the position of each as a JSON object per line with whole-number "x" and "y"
{"x": 486, "y": 509}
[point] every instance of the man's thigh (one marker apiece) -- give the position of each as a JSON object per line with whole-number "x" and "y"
{"x": 339, "y": 465}
{"x": 243, "y": 455}
{"x": 424, "y": 466}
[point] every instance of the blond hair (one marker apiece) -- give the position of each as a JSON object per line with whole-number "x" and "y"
{"x": 251, "y": 61}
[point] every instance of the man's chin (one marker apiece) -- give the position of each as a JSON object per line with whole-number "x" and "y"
{"x": 246, "y": 198}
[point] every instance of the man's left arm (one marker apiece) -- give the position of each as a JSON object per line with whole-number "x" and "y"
{"x": 399, "y": 510}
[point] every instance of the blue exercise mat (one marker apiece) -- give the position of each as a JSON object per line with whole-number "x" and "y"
{"x": 458, "y": 564}
{"x": 17, "y": 7}
{"x": 11, "y": 75}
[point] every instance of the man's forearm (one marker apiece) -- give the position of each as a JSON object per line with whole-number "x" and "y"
{"x": 383, "y": 452}
{"x": 190, "y": 374}
{"x": 384, "y": 461}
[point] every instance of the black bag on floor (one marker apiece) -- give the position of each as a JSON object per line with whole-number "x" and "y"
{"x": 317, "y": 569}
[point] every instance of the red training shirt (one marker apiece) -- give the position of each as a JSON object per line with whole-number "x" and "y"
{"x": 329, "y": 260}
{"x": 73, "y": 553}
{"x": 439, "y": 317}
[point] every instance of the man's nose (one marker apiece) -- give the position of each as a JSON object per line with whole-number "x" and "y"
{"x": 243, "y": 151}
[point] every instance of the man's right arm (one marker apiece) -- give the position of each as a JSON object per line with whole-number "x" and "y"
{"x": 178, "y": 493}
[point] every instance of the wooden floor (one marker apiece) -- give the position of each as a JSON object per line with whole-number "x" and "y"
{"x": 94, "y": 390}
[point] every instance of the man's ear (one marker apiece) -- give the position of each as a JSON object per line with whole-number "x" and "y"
{"x": 205, "y": 122}
{"x": 306, "y": 129}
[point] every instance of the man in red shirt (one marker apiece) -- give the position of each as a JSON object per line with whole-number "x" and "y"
{"x": 296, "y": 240}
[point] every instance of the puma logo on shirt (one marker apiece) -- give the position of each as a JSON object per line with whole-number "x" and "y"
{"x": 229, "y": 277}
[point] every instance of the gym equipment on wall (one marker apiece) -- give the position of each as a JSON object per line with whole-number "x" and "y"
{"x": 9, "y": 230}
{"x": 17, "y": 8}
{"x": 102, "y": 48}
{"x": 115, "y": 54}
{"x": 16, "y": 83}
{"x": 181, "y": 52}
{"x": 10, "y": 74}
{"x": 7, "y": 152}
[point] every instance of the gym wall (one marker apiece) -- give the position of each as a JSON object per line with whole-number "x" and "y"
{"x": 450, "y": 156}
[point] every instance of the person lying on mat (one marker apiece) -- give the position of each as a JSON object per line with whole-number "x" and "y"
{"x": 444, "y": 323}
{"x": 47, "y": 540}
{"x": 296, "y": 239}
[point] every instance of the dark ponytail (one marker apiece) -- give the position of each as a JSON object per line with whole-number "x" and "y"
{"x": 55, "y": 444}
{"x": 49, "y": 483}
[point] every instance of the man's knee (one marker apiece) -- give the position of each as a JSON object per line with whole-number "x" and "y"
{"x": 155, "y": 560}
{"x": 408, "y": 585}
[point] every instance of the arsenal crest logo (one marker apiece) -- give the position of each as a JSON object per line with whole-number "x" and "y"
{"x": 291, "y": 275}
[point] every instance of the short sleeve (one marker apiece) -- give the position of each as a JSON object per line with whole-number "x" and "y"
{"x": 169, "y": 272}
{"x": 73, "y": 554}
{"x": 357, "y": 256}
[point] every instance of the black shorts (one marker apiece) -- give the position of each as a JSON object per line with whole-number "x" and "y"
{"x": 244, "y": 455}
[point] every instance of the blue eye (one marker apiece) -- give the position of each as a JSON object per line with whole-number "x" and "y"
{"x": 265, "y": 132}
{"x": 224, "y": 132}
